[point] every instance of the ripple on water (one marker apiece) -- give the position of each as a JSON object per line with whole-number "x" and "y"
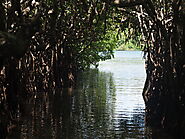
{"x": 106, "y": 104}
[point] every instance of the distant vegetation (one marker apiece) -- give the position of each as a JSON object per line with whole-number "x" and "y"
{"x": 120, "y": 42}
{"x": 127, "y": 45}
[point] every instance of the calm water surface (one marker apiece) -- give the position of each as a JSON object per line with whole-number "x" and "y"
{"x": 106, "y": 103}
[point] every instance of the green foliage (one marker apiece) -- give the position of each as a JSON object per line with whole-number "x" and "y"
{"x": 128, "y": 46}
{"x": 98, "y": 50}
{"x": 64, "y": 36}
{"x": 124, "y": 43}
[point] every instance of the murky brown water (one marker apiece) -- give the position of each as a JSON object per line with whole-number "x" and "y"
{"x": 106, "y": 103}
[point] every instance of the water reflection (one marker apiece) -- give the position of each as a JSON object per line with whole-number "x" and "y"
{"x": 129, "y": 75}
{"x": 105, "y": 103}
{"x": 95, "y": 101}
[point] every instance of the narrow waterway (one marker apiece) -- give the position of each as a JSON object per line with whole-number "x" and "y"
{"x": 128, "y": 73}
{"x": 106, "y": 103}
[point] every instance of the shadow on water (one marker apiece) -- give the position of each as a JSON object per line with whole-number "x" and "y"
{"x": 101, "y": 106}
{"x": 44, "y": 116}
{"x": 86, "y": 111}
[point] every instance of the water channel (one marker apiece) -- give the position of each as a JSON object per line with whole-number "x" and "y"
{"x": 106, "y": 103}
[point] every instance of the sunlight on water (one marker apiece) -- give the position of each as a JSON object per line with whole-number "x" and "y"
{"x": 129, "y": 76}
{"x": 105, "y": 104}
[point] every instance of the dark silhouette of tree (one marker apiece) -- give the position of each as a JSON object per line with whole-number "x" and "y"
{"x": 162, "y": 26}
{"x": 43, "y": 44}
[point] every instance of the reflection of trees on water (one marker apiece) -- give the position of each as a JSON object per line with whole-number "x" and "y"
{"x": 83, "y": 112}
{"x": 95, "y": 104}
{"x": 132, "y": 126}
{"x": 42, "y": 116}
{"x": 86, "y": 111}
